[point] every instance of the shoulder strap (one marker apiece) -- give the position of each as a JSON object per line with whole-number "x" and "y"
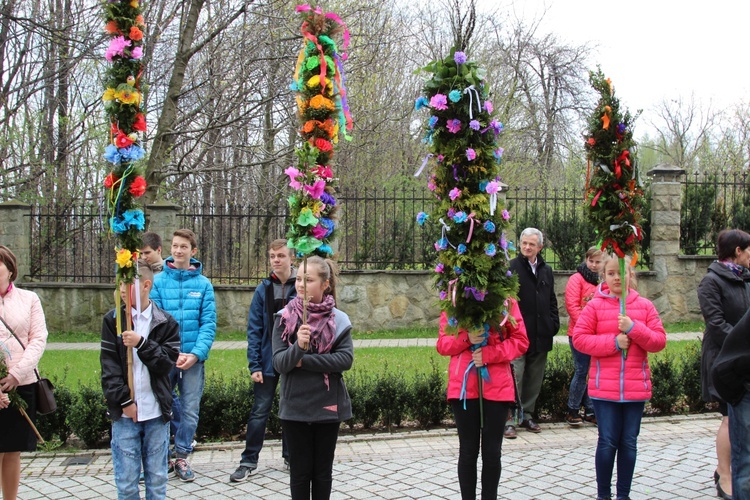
{"x": 36, "y": 371}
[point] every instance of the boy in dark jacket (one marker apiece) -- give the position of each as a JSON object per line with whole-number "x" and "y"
{"x": 140, "y": 423}
{"x": 270, "y": 297}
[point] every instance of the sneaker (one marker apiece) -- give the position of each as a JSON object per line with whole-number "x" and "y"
{"x": 170, "y": 466}
{"x": 194, "y": 444}
{"x": 590, "y": 419}
{"x": 510, "y": 432}
{"x": 573, "y": 420}
{"x": 243, "y": 472}
{"x": 183, "y": 471}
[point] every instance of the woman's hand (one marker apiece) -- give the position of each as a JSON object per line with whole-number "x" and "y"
{"x": 476, "y": 338}
{"x": 303, "y": 337}
{"x": 624, "y": 323}
{"x": 623, "y": 341}
{"x": 477, "y": 357}
{"x": 4, "y": 401}
{"x": 8, "y": 383}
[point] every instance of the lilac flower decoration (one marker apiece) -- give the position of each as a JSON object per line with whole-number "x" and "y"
{"x": 492, "y": 187}
{"x": 489, "y": 226}
{"x": 453, "y": 322}
{"x": 461, "y": 249}
{"x": 454, "y": 193}
{"x": 440, "y": 268}
{"x": 458, "y": 270}
{"x": 328, "y": 199}
{"x": 490, "y": 249}
{"x": 621, "y": 128}
{"x": 506, "y": 215}
{"x": 116, "y": 47}
{"x": 453, "y": 126}
{"x": 454, "y": 95}
{"x": 441, "y": 244}
{"x": 439, "y": 102}
{"x": 508, "y": 273}
{"x": 451, "y": 212}
{"x": 488, "y": 106}
{"x": 470, "y": 154}
{"x": 443, "y": 295}
{"x": 420, "y": 103}
{"x": 498, "y": 153}
{"x": 496, "y": 126}
{"x": 478, "y": 294}
{"x": 136, "y": 53}
{"x": 433, "y": 121}
{"x": 474, "y": 125}
{"x": 422, "y": 218}
{"x": 460, "y": 217}
{"x": 459, "y": 57}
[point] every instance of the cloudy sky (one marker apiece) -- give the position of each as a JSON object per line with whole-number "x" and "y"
{"x": 656, "y": 49}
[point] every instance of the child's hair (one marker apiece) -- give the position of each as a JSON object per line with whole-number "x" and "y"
{"x": 188, "y": 235}
{"x": 151, "y": 239}
{"x": 628, "y": 269}
{"x": 728, "y": 241}
{"x": 277, "y": 244}
{"x": 593, "y": 252}
{"x": 145, "y": 271}
{"x": 328, "y": 271}
{"x": 9, "y": 259}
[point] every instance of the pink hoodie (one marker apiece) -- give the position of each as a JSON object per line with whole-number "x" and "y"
{"x": 610, "y": 376}
{"x": 22, "y": 310}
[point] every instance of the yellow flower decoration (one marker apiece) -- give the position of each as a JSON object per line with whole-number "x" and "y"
{"x": 336, "y": 133}
{"x": 128, "y": 96}
{"x": 314, "y": 81}
{"x": 124, "y": 258}
{"x": 317, "y": 207}
{"x": 320, "y": 102}
{"x": 109, "y": 94}
{"x": 134, "y": 3}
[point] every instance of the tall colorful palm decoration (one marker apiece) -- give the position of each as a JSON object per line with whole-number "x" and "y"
{"x": 614, "y": 198}
{"x": 123, "y": 104}
{"x": 472, "y": 273}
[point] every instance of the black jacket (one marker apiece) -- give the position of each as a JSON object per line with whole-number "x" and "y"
{"x": 158, "y": 352}
{"x": 724, "y": 297}
{"x": 538, "y": 303}
{"x": 731, "y": 370}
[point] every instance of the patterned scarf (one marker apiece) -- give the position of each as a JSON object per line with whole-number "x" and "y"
{"x": 589, "y": 275}
{"x": 320, "y": 317}
{"x": 736, "y": 269}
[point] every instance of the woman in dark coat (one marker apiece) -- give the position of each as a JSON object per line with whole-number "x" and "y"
{"x": 724, "y": 296}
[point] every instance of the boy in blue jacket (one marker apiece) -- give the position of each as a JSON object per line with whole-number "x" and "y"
{"x": 270, "y": 297}
{"x": 182, "y": 291}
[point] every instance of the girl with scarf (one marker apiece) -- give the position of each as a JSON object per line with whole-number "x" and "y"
{"x": 311, "y": 357}
{"x": 580, "y": 289}
{"x": 724, "y": 296}
{"x": 494, "y": 354}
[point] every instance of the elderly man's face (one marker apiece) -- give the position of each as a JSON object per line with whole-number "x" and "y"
{"x": 530, "y": 247}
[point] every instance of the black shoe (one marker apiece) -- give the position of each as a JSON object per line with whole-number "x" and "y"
{"x": 573, "y": 420}
{"x": 510, "y": 432}
{"x": 243, "y": 472}
{"x": 531, "y": 426}
{"x": 720, "y": 492}
{"x": 716, "y": 476}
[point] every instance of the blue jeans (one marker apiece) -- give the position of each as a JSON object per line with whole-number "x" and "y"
{"x": 739, "y": 436}
{"x": 256, "y": 422}
{"x": 136, "y": 443}
{"x": 189, "y": 385}
{"x": 578, "y": 384}
{"x": 619, "y": 425}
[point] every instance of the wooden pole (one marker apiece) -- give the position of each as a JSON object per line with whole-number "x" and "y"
{"x": 624, "y": 295}
{"x": 306, "y": 346}
{"x": 129, "y": 324}
{"x": 33, "y": 427}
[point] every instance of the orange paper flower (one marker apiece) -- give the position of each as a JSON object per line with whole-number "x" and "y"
{"x": 135, "y": 34}
{"x": 320, "y": 102}
{"x": 323, "y": 145}
{"x": 112, "y": 28}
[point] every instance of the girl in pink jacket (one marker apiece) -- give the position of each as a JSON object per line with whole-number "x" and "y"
{"x": 619, "y": 385}
{"x": 497, "y": 390}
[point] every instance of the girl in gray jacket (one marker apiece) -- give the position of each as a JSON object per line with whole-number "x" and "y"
{"x": 311, "y": 357}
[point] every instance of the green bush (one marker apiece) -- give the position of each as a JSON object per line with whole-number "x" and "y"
{"x": 392, "y": 397}
{"x": 427, "y": 403}
{"x": 690, "y": 376}
{"x": 88, "y": 416}
{"x": 665, "y": 381}
{"x": 225, "y": 405}
{"x": 553, "y": 397}
{"x": 362, "y": 391}
{"x": 55, "y": 426}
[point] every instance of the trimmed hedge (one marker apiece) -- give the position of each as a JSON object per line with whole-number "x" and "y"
{"x": 386, "y": 399}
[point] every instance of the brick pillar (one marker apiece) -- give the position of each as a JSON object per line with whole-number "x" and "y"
{"x": 666, "y": 204}
{"x": 163, "y": 219}
{"x": 15, "y": 233}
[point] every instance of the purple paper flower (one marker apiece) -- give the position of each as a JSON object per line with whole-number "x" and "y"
{"x": 508, "y": 273}
{"x": 498, "y": 153}
{"x": 489, "y": 226}
{"x": 459, "y": 57}
{"x": 474, "y": 125}
{"x": 328, "y": 199}
{"x": 439, "y": 101}
{"x": 490, "y": 249}
{"x": 453, "y": 126}
{"x": 443, "y": 295}
{"x": 454, "y": 95}
{"x": 506, "y": 215}
{"x": 461, "y": 249}
{"x": 496, "y": 126}
{"x": 422, "y": 218}
{"x": 460, "y": 217}
{"x": 621, "y": 128}
{"x": 440, "y": 268}
{"x": 470, "y": 154}
{"x": 136, "y": 53}
{"x": 454, "y": 193}
{"x": 451, "y": 212}
{"x": 458, "y": 270}
{"x": 488, "y": 106}
{"x": 492, "y": 187}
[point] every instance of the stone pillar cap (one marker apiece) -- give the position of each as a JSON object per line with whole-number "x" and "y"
{"x": 666, "y": 169}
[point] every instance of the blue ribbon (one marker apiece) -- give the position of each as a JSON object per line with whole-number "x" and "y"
{"x": 481, "y": 370}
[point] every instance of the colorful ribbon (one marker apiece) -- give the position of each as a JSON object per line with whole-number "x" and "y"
{"x": 468, "y": 90}
{"x": 471, "y": 227}
{"x": 424, "y": 164}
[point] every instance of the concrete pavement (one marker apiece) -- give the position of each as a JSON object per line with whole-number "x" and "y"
{"x": 675, "y": 460}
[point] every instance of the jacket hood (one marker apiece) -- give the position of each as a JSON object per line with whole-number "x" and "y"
{"x": 195, "y": 267}
{"x": 602, "y": 292}
{"x": 292, "y": 277}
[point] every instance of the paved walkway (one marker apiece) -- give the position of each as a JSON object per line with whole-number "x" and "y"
{"x": 426, "y": 342}
{"x": 675, "y": 460}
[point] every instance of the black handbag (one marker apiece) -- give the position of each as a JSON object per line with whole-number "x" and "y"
{"x": 45, "y": 391}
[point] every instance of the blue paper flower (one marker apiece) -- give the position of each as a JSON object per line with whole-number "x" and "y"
{"x": 458, "y": 270}
{"x": 453, "y": 321}
{"x": 328, "y": 224}
{"x": 460, "y": 217}
{"x": 112, "y": 154}
{"x": 422, "y": 218}
{"x": 454, "y": 95}
{"x": 461, "y": 249}
{"x": 433, "y": 121}
{"x": 489, "y": 226}
{"x": 325, "y": 249}
{"x": 131, "y": 153}
{"x": 420, "y": 103}
{"x": 490, "y": 249}
{"x": 328, "y": 199}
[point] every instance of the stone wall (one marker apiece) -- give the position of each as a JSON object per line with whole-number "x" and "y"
{"x": 376, "y": 299}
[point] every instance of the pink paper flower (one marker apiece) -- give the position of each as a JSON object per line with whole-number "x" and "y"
{"x": 488, "y": 106}
{"x": 316, "y": 189}
{"x": 293, "y": 173}
{"x": 470, "y": 154}
{"x": 439, "y": 101}
{"x": 454, "y": 193}
{"x": 453, "y": 126}
{"x": 136, "y": 53}
{"x": 116, "y": 47}
{"x": 319, "y": 232}
{"x": 506, "y": 215}
{"x": 492, "y": 187}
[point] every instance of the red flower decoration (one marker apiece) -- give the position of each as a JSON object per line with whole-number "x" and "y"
{"x": 122, "y": 140}
{"x": 139, "y": 125}
{"x": 323, "y": 145}
{"x": 114, "y": 129}
{"x": 110, "y": 180}
{"x": 138, "y": 186}
{"x": 323, "y": 172}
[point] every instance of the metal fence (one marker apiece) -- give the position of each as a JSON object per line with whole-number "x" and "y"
{"x": 377, "y": 230}
{"x": 710, "y": 203}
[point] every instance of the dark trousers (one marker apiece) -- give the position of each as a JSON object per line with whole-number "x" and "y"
{"x": 471, "y": 437}
{"x": 311, "y": 450}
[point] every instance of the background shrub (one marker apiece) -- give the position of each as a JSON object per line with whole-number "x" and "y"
{"x": 392, "y": 397}
{"x": 553, "y": 397}
{"x": 365, "y": 410}
{"x": 225, "y": 406}
{"x": 690, "y": 377}
{"x": 88, "y": 416}
{"x": 56, "y": 426}
{"x": 665, "y": 384}
{"x": 427, "y": 400}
